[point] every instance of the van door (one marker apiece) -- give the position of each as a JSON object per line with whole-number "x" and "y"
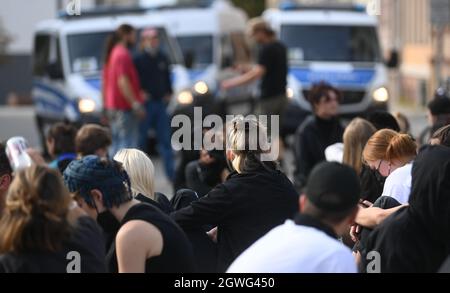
{"x": 48, "y": 92}
{"x": 51, "y": 102}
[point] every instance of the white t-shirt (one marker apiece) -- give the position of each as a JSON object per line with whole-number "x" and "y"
{"x": 398, "y": 184}
{"x": 291, "y": 248}
{"x": 335, "y": 152}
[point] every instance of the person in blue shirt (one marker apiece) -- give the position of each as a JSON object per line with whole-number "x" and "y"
{"x": 153, "y": 68}
{"x": 60, "y": 144}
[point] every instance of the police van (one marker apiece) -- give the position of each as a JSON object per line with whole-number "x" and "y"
{"x": 338, "y": 44}
{"x": 68, "y": 60}
{"x": 211, "y": 35}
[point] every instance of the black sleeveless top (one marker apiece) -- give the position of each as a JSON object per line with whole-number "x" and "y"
{"x": 176, "y": 256}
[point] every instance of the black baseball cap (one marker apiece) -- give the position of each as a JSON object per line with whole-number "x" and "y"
{"x": 333, "y": 187}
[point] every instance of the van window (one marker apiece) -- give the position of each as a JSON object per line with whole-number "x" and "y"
{"x": 47, "y": 56}
{"x": 86, "y": 50}
{"x": 41, "y": 54}
{"x": 199, "y": 49}
{"x": 331, "y": 43}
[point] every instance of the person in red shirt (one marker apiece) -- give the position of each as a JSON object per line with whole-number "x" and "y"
{"x": 123, "y": 101}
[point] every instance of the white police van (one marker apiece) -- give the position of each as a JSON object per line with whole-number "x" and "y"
{"x": 338, "y": 44}
{"x": 68, "y": 60}
{"x": 211, "y": 35}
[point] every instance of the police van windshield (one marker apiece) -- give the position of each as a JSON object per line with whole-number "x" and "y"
{"x": 197, "y": 50}
{"x": 86, "y": 51}
{"x": 331, "y": 43}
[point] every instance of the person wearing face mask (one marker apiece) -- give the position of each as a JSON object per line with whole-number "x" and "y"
{"x": 147, "y": 240}
{"x": 416, "y": 239}
{"x": 153, "y": 68}
{"x": 390, "y": 154}
{"x": 255, "y": 198}
{"x": 211, "y": 169}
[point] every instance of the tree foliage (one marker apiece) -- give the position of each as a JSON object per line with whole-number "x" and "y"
{"x": 252, "y": 7}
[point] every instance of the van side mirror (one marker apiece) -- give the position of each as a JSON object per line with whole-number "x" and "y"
{"x": 394, "y": 60}
{"x": 54, "y": 71}
{"x": 189, "y": 59}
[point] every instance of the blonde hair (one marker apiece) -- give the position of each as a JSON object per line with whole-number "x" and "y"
{"x": 247, "y": 139}
{"x": 140, "y": 169}
{"x": 356, "y": 136}
{"x": 258, "y": 24}
{"x": 391, "y": 146}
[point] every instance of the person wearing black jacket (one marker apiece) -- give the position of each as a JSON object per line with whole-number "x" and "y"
{"x": 416, "y": 239}
{"x": 317, "y": 132}
{"x": 153, "y": 68}
{"x": 253, "y": 199}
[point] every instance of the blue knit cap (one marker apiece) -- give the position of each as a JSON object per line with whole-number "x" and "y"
{"x": 93, "y": 172}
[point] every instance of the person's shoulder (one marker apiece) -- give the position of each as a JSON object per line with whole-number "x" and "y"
{"x": 307, "y": 124}
{"x": 135, "y": 231}
{"x": 137, "y": 55}
{"x": 399, "y": 175}
{"x": 164, "y": 56}
{"x": 139, "y": 236}
{"x": 12, "y": 263}
{"x": 192, "y": 166}
{"x": 86, "y": 230}
{"x": 280, "y": 45}
{"x": 404, "y": 170}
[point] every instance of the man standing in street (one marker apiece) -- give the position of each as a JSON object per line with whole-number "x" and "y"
{"x": 153, "y": 68}
{"x": 272, "y": 69}
{"x": 121, "y": 90}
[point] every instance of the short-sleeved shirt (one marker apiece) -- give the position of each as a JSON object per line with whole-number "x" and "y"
{"x": 120, "y": 63}
{"x": 293, "y": 248}
{"x": 273, "y": 57}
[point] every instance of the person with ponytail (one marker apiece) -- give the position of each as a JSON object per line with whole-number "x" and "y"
{"x": 123, "y": 101}
{"x": 255, "y": 197}
{"x": 390, "y": 154}
{"x": 41, "y": 226}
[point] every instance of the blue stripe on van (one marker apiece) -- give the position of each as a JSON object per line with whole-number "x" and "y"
{"x": 359, "y": 78}
{"x": 95, "y": 83}
{"x": 194, "y": 74}
{"x": 51, "y": 107}
{"x": 63, "y": 98}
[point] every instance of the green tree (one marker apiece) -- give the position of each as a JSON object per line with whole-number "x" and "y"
{"x": 252, "y": 7}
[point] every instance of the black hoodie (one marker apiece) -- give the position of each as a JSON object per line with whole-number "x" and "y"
{"x": 417, "y": 238}
{"x": 244, "y": 208}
